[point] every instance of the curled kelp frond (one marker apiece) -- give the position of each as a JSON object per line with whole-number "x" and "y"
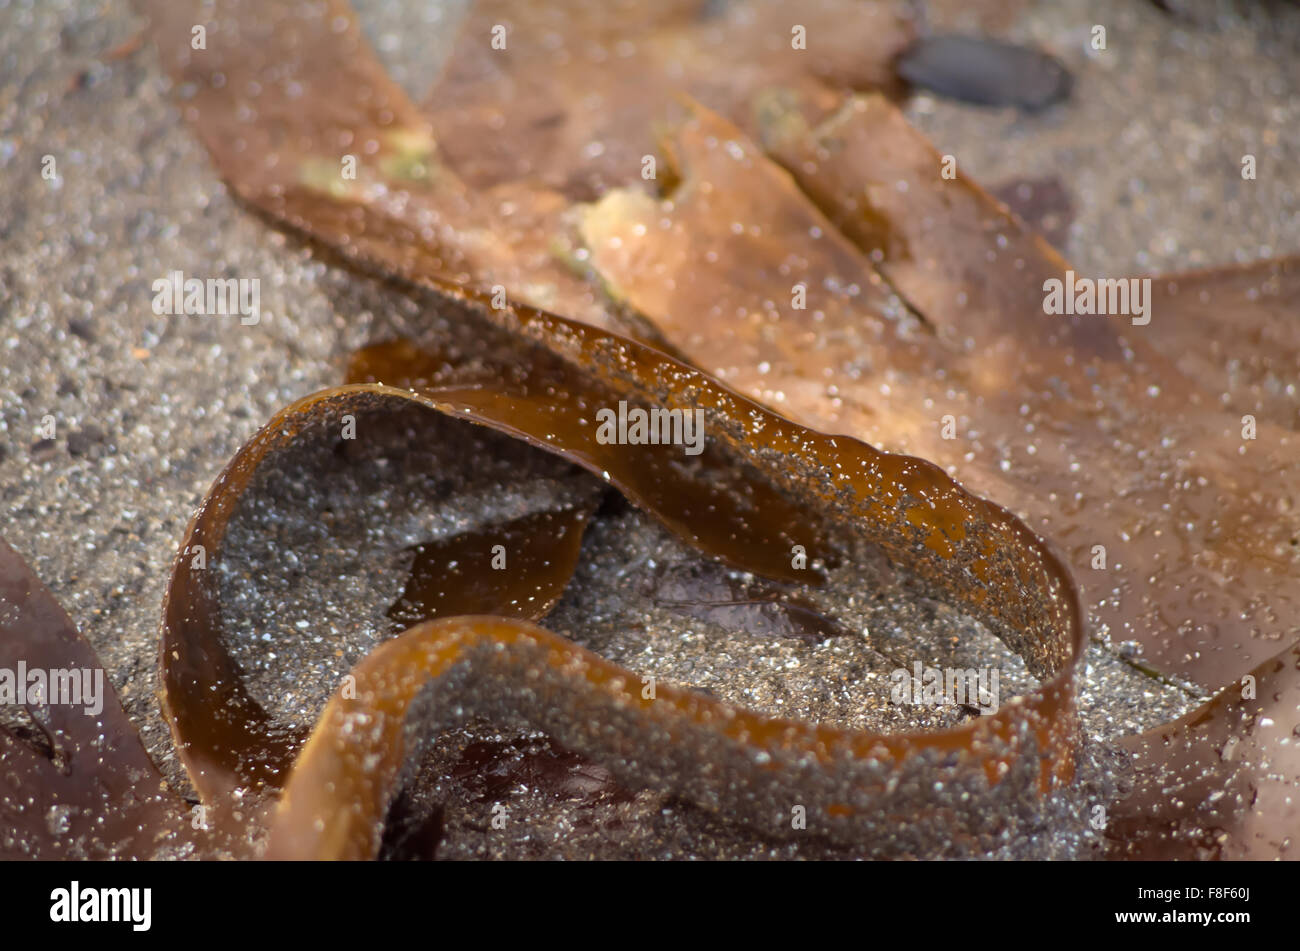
{"x": 224, "y": 735}
{"x": 760, "y": 487}
{"x": 749, "y": 767}
{"x": 283, "y": 99}
{"x": 1082, "y": 424}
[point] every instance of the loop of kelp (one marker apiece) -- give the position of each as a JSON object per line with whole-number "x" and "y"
{"x": 225, "y": 738}
{"x": 762, "y": 486}
{"x": 329, "y": 784}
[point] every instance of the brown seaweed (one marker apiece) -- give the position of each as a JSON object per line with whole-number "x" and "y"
{"x": 79, "y": 785}
{"x": 1100, "y": 433}
{"x": 1219, "y": 783}
{"x": 914, "y": 318}
{"x": 448, "y": 577}
{"x": 1234, "y": 330}
{"x": 764, "y": 483}
{"x": 574, "y": 98}
{"x": 918, "y": 517}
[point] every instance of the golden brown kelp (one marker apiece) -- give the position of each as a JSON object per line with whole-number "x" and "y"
{"x": 223, "y": 735}
{"x": 760, "y": 770}
{"x": 737, "y": 502}
{"x": 395, "y": 223}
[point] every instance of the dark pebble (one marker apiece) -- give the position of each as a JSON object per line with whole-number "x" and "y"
{"x": 81, "y": 442}
{"x": 985, "y": 72}
{"x": 81, "y": 328}
{"x": 43, "y": 449}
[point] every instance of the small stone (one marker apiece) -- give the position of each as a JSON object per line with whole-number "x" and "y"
{"x": 985, "y": 72}
{"x": 83, "y": 441}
